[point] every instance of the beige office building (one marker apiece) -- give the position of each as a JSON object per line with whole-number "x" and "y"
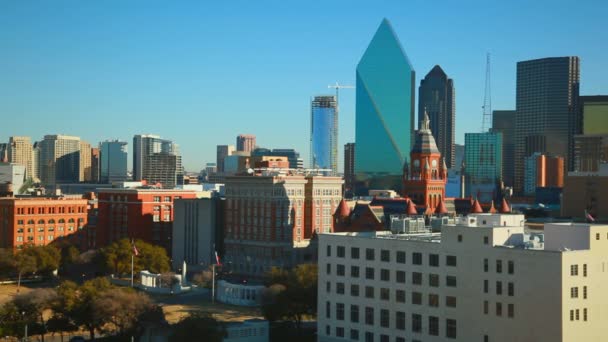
{"x": 59, "y": 159}
{"x": 482, "y": 279}
{"x": 85, "y": 174}
{"x": 20, "y": 152}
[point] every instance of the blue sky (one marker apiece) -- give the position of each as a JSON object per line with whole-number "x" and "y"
{"x": 201, "y": 72}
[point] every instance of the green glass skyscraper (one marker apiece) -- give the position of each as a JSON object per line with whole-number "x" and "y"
{"x": 384, "y": 127}
{"x": 483, "y": 159}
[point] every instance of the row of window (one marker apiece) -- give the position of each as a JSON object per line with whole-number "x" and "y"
{"x": 499, "y": 309}
{"x": 575, "y": 315}
{"x": 499, "y": 264}
{"x": 574, "y": 270}
{"x": 385, "y": 295}
{"x": 574, "y": 292}
{"x": 40, "y": 238}
{"x": 385, "y": 275}
{"x": 51, "y": 221}
{"x": 385, "y": 256}
{"x": 41, "y": 229}
{"x": 157, "y": 199}
{"x": 499, "y": 288}
{"x": 51, "y": 210}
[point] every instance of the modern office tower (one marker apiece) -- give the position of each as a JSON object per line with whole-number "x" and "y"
{"x": 349, "y": 166}
{"x": 585, "y": 193}
{"x": 113, "y": 161}
{"x": 222, "y": 152}
{"x": 245, "y": 142}
{"x": 594, "y": 114}
{"x": 40, "y": 220}
{"x": 546, "y": 110}
{"x": 503, "y": 121}
{"x": 591, "y": 144}
{"x": 35, "y": 162}
{"x": 542, "y": 171}
{"x": 146, "y": 145}
{"x": 424, "y": 180}
{"x": 95, "y": 164}
{"x": 324, "y": 133}
{"x": 12, "y": 177}
{"x": 59, "y": 159}
{"x": 437, "y": 96}
{"x": 384, "y": 127}
{"x": 164, "y": 168}
{"x": 483, "y": 159}
{"x": 85, "y": 162}
{"x": 4, "y": 152}
{"x": 271, "y": 218}
{"x": 20, "y": 152}
{"x": 470, "y": 282}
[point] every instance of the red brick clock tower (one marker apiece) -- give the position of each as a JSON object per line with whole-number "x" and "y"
{"x": 424, "y": 178}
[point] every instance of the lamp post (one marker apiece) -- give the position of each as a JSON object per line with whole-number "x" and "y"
{"x": 25, "y": 332}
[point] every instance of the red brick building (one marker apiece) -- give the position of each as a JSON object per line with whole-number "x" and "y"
{"x": 145, "y": 214}
{"x": 40, "y": 220}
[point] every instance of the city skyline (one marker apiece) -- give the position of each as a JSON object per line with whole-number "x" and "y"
{"x": 173, "y": 71}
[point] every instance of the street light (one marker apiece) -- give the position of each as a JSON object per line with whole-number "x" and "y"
{"x": 25, "y": 335}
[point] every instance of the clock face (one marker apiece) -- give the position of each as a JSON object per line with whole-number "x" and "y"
{"x": 434, "y": 163}
{"x": 416, "y": 162}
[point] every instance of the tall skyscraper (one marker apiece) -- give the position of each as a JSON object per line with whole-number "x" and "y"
{"x": 349, "y": 166}
{"x": 384, "y": 128}
{"x": 85, "y": 162}
{"x": 59, "y": 159}
{"x": 20, "y": 152}
{"x": 113, "y": 161}
{"x": 146, "y": 145}
{"x": 164, "y": 168}
{"x": 483, "y": 159}
{"x": 546, "y": 110}
{"x": 436, "y": 96}
{"x": 3, "y": 153}
{"x": 95, "y": 164}
{"x": 591, "y": 142}
{"x": 223, "y": 151}
{"x": 503, "y": 121}
{"x": 245, "y": 142}
{"x": 324, "y": 133}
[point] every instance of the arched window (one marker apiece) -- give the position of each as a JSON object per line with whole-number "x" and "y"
{"x": 61, "y": 221}
{"x": 30, "y": 222}
{"x": 41, "y": 221}
{"x": 71, "y": 220}
{"x": 51, "y": 221}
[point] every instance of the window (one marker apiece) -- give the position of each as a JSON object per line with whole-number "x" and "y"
{"x": 354, "y": 271}
{"x": 339, "y": 332}
{"x": 510, "y": 267}
{"x": 584, "y": 292}
{"x": 499, "y": 288}
{"x": 400, "y": 257}
{"x": 400, "y": 296}
{"x": 156, "y": 198}
{"x": 385, "y": 255}
{"x": 584, "y": 270}
{"x": 385, "y": 275}
{"x": 340, "y": 311}
{"x": 498, "y": 266}
{"x": 354, "y": 253}
{"x": 459, "y": 238}
{"x": 340, "y": 270}
{"x": 384, "y": 294}
{"x": 485, "y": 265}
{"x": 416, "y": 278}
{"x": 341, "y": 251}
{"x": 585, "y": 315}
{"x": 369, "y": 336}
{"x": 577, "y": 312}
{"x": 450, "y": 281}
{"x": 511, "y": 289}
{"x": 433, "y": 300}
{"x": 485, "y": 240}
{"x": 327, "y": 330}
{"x": 369, "y": 315}
{"x": 340, "y": 288}
{"x": 498, "y": 309}
{"x": 384, "y": 318}
{"x": 417, "y": 258}
{"x": 328, "y": 287}
{"x": 485, "y": 286}
{"x": 328, "y": 250}
{"x": 400, "y": 276}
{"x": 369, "y": 292}
{"x": 416, "y": 323}
{"x": 369, "y": 254}
{"x": 433, "y": 326}
{"x": 450, "y": 260}
{"x": 574, "y": 270}
{"x": 400, "y": 320}
{"x": 328, "y": 309}
{"x": 328, "y": 269}
{"x": 354, "y": 290}
{"x": 597, "y": 236}
{"x": 384, "y": 338}
{"x": 354, "y": 335}
{"x": 450, "y": 301}
{"x": 417, "y": 298}
{"x": 369, "y": 273}
{"x": 434, "y": 260}
{"x": 354, "y": 313}
{"x": 574, "y": 292}
{"x": 510, "y": 310}
{"x": 486, "y": 307}
{"x": 434, "y": 280}
{"x": 450, "y": 328}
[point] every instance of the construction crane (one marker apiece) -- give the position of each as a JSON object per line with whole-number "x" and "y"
{"x": 486, "y": 122}
{"x": 334, "y": 144}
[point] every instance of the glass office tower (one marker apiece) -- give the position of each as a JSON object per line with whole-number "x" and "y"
{"x": 483, "y": 171}
{"x": 384, "y": 127}
{"x": 113, "y": 161}
{"x": 323, "y": 133}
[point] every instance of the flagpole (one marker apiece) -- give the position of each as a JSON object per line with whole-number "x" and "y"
{"x": 132, "y": 256}
{"x": 213, "y": 284}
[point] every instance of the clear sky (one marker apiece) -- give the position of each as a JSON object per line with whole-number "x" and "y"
{"x": 201, "y": 72}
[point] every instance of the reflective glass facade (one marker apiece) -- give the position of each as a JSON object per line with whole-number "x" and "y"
{"x": 483, "y": 159}
{"x": 384, "y": 112}
{"x": 324, "y": 133}
{"x": 113, "y": 161}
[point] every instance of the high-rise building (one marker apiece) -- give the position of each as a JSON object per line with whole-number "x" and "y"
{"x": 12, "y": 177}
{"x": 86, "y": 174}
{"x": 436, "y": 96}
{"x": 293, "y": 156}
{"x": 113, "y": 161}
{"x": 4, "y": 152}
{"x": 146, "y": 145}
{"x": 384, "y": 128}
{"x": 585, "y": 193}
{"x": 164, "y": 168}
{"x": 483, "y": 160}
{"x": 546, "y": 110}
{"x": 95, "y": 164}
{"x": 542, "y": 171}
{"x": 591, "y": 145}
{"x": 324, "y": 133}
{"x": 470, "y": 282}
{"x": 36, "y": 162}
{"x": 20, "y": 152}
{"x": 59, "y": 159}
{"x": 349, "y": 166}
{"x": 223, "y": 151}
{"x": 594, "y": 114}
{"x": 245, "y": 142}
{"x": 503, "y": 121}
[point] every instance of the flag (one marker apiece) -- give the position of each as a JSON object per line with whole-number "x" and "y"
{"x": 589, "y": 217}
{"x": 135, "y": 251}
{"x": 217, "y": 259}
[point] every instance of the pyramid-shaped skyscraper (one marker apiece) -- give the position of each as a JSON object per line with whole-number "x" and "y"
{"x": 385, "y": 112}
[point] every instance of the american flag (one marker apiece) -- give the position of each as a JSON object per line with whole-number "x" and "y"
{"x": 589, "y": 217}
{"x": 217, "y": 259}
{"x": 135, "y": 251}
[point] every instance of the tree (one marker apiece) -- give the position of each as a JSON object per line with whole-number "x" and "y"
{"x": 7, "y": 262}
{"x": 120, "y": 308}
{"x": 33, "y": 305}
{"x": 203, "y": 278}
{"x": 197, "y": 324}
{"x": 24, "y": 263}
{"x": 117, "y": 257}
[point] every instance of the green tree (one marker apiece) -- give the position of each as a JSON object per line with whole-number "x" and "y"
{"x": 7, "y": 262}
{"x": 197, "y": 324}
{"x": 33, "y": 305}
{"x": 117, "y": 257}
{"x": 120, "y": 308}
{"x": 24, "y": 263}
